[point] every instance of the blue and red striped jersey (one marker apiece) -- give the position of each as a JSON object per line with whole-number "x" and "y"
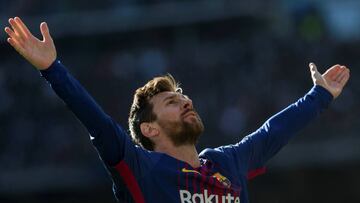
{"x": 142, "y": 176}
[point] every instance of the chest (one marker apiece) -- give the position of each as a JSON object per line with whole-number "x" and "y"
{"x": 182, "y": 183}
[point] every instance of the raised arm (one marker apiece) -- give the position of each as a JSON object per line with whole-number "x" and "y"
{"x": 277, "y": 131}
{"x": 108, "y": 137}
{"x": 257, "y": 148}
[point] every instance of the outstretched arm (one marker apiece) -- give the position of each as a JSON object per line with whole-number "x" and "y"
{"x": 109, "y": 138}
{"x": 276, "y": 132}
{"x": 258, "y": 147}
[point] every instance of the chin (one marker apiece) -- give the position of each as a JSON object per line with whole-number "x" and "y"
{"x": 197, "y": 125}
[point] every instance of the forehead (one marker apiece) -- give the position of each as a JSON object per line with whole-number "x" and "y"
{"x": 160, "y": 97}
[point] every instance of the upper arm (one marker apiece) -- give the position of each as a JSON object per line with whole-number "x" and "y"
{"x": 111, "y": 141}
{"x": 108, "y": 137}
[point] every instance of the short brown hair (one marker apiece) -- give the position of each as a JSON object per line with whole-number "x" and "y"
{"x": 142, "y": 110}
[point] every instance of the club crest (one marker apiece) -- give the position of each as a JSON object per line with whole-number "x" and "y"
{"x": 222, "y": 179}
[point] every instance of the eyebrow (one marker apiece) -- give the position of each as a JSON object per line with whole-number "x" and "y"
{"x": 169, "y": 97}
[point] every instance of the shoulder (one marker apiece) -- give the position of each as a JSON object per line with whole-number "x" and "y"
{"x": 233, "y": 152}
{"x": 214, "y": 154}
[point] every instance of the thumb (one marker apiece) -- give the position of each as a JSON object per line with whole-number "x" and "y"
{"x": 315, "y": 75}
{"x": 45, "y": 31}
{"x": 313, "y": 68}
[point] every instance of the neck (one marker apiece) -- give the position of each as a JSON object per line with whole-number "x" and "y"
{"x": 186, "y": 153}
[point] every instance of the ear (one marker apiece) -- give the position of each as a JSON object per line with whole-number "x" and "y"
{"x": 148, "y": 129}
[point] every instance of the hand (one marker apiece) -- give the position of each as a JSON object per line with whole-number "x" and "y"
{"x": 334, "y": 79}
{"x": 40, "y": 54}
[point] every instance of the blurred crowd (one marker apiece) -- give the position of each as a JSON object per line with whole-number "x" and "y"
{"x": 238, "y": 71}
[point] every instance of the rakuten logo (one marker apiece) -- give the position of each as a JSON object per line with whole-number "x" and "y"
{"x": 187, "y": 197}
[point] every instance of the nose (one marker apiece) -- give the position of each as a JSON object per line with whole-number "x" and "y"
{"x": 187, "y": 104}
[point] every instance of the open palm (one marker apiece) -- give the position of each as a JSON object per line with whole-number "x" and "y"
{"x": 40, "y": 53}
{"x": 334, "y": 79}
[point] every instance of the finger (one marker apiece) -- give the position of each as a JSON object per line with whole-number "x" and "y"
{"x": 332, "y": 72}
{"x": 314, "y": 71}
{"x": 315, "y": 75}
{"x": 13, "y": 36}
{"x": 313, "y": 68}
{"x": 16, "y": 29}
{"x": 10, "y": 32}
{"x": 340, "y": 73}
{"x": 23, "y": 27}
{"x": 16, "y": 45}
{"x": 344, "y": 78}
{"x": 45, "y": 32}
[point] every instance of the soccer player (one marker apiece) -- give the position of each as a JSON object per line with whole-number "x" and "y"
{"x": 163, "y": 164}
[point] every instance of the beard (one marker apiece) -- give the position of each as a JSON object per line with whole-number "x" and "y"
{"x": 183, "y": 132}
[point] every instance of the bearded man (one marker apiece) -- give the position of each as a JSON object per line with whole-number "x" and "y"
{"x": 163, "y": 164}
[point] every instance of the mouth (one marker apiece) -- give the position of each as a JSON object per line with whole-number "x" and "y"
{"x": 188, "y": 113}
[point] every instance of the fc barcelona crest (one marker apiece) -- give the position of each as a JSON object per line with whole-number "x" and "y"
{"x": 222, "y": 179}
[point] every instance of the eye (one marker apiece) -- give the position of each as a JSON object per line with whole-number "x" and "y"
{"x": 172, "y": 102}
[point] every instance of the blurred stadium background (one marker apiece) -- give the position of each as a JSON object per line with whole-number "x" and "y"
{"x": 240, "y": 62}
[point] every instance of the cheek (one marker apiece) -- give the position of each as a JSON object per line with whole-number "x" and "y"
{"x": 169, "y": 114}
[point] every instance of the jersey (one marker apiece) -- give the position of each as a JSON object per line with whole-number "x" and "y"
{"x": 142, "y": 176}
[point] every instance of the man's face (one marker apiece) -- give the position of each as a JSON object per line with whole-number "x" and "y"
{"x": 177, "y": 117}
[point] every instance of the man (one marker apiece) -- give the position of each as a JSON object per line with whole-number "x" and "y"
{"x": 165, "y": 165}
